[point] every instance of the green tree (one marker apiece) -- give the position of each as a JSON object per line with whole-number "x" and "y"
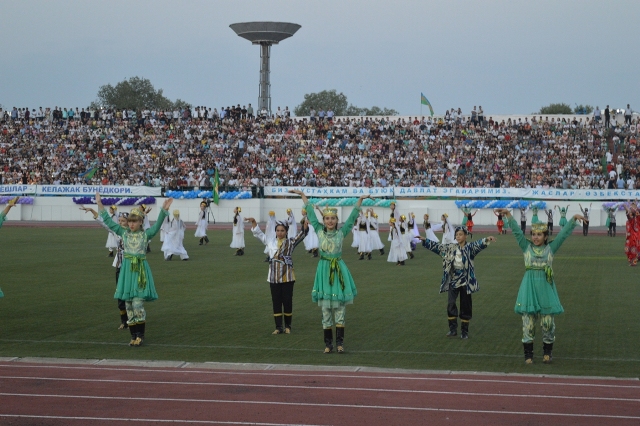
{"x": 583, "y": 109}
{"x": 338, "y": 103}
{"x": 134, "y": 93}
{"x": 556, "y": 109}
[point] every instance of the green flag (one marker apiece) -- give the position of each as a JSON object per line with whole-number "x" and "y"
{"x": 216, "y": 185}
{"x": 90, "y": 173}
{"x": 425, "y": 101}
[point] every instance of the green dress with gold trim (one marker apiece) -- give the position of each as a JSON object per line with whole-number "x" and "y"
{"x": 538, "y": 293}
{"x": 2, "y": 218}
{"x": 333, "y": 285}
{"x": 135, "y": 279}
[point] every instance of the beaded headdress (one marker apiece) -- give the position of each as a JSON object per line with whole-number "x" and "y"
{"x": 392, "y": 220}
{"x": 239, "y": 209}
{"x": 113, "y": 207}
{"x": 288, "y": 211}
{"x": 375, "y": 215}
{"x": 272, "y": 213}
{"x": 539, "y": 227}
{"x": 176, "y": 212}
{"x": 136, "y": 211}
{"x": 330, "y": 211}
{"x": 403, "y": 217}
{"x": 304, "y": 210}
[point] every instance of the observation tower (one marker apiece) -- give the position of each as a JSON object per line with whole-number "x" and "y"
{"x": 265, "y": 34}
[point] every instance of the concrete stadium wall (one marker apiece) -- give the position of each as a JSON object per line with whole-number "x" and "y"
{"x": 47, "y": 209}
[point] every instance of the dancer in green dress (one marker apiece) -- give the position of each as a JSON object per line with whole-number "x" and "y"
{"x": 538, "y": 297}
{"x": 333, "y": 288}
{"x": 563, "y": 215}
{"x": 3, "y": 216}
{"x": 135, "y": 283}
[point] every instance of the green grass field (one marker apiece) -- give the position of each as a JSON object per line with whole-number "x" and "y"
{"x": 59, "y": 286}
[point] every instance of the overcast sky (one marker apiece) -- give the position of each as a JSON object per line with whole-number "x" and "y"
{"x": 510, "y": 56}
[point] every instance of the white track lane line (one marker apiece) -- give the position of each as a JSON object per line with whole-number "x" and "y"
{"x": 114, "y": 419}
{"x": 306, "y": 373}
{"x": 321, "y": 388}
{"x": 331, "y": 406}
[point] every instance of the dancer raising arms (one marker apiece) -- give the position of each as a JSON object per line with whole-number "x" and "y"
{"x": 333, "y": 288}
{"x": 538, "y": 297}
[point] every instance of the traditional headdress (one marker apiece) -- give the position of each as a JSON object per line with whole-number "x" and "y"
{"x": 375, "y": 215}
{"x": 403, "y": 217}
{"x": 330, "y": 211}
{"x": 123, "y": 214}
{"x": 304, "y": 210}
{"x": 392, "y": 220}
{"x": 413, "y": 215}
{"x": 393, "y": 202}
{"x": 272, "y": 213}
{"x": 445, "y": 215}
{"x": 176, "y": 212}
{"x": 463, "y": 229}
{"x": 539, "y": 227}
{"x": 282, "y": 223}
{"x": 113, "y": 207}
{"x": 239, "y": 209}
{"x": 144, "y": 207}
{"x": 136, "y": 212}
{"x": 288, "y": 211}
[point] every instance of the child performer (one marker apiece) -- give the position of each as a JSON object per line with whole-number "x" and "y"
{"x": 459, "y": 277}
{"x": 611, "y": 220}
{"x": 500, "y": 223}
{"x": 281, "y": 276}
{"x": 428, "y": 231}
{"x": 135, "y": 283}
{"x": 549, "y": 213}
{"x": 414, "y": 231}
{"x": 238, "y": 232}
{"x": 406, "y": 235}
{"x": 112, "y": 239}
{"x": 470, "y": 222}
{"x": 374, "y": 235}
{"x": 174, "y": 238}
{"x": 523, "y": 219}
{"x": 394, "y": 214}
{"x": 396, "y": 250}
{"x": 585, "y": 222}
{"x": 202, "y": 223}
{"x": 311, "y": 240}
{"x": 292, "y": 225}
{"x": 538, "y": 296}
{"x": 448, "y": 231}
{"x": 563, "y": 216}
{"x": 270, "y": 232}
{"x": 364, "y": 242}
{"x": 631, "y": 241}
{"x": 465, "y": 217}
{"x": 3, "y": 216}
{"x": 117, "y": 261}
{"x": 534, "y": 212}
{"x": 333, "y": 288}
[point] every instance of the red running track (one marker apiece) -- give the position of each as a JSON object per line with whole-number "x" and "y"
{"x": 59, "y": 394}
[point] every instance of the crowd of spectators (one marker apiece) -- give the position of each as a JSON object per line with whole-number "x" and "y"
{"x": 181, "y": 149}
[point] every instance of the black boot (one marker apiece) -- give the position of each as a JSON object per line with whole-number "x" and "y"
{"x": 278, "y": 319}
{"x": 133, "y": 329}
{"x": 453, "y": 327}
{"x": 381, "y": 252}
{"x": 110, "y": 254}
{"x": 411, "y": 256}
{"x": 528, "y": 353}
{"x": 328, "y": 340}
{"x": 206, "y": 239}
{"x": 241, "y": 252}
{"x": 339, "y": 339}
{"x": 139, "y": 334}
{"x": 315, "y": 252}
{"x": 267, "y": 259}
{"x": 465, "y": 329}
{"x": 201, "y": 241}
{"x": 546, "y": 351}
{"x": 361, "y": 256}
{"x": 402, "y": 263}
{"x": 148, "y": 248}
{"x": 287, "y": 323}
{"x": 369, "y": 256}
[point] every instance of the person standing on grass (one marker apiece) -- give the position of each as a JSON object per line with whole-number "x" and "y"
{"x": 333, "y": 287}
{"x": 3, "y": 215}
{"x": 549, "y": 213}
{"x": 563, "y": 215}
{"x": 311, "y": 240}
{"x": 237, "y": 242}
{"x": 538, "y": 297}
{"x": 397, "y": 252}
{"x": 499, "y": 223}
{"x": 202, "y": 223}
{"x": 631, "y": 241}
{"x": 174, "y": 238}
{"x": 585, "y": 222}
{"x": 611, "y": 220}
{"x": 459, "y": 277}
{"x": 135, "y": 283}
{"x": 281, "y": 276}
{"x": 117, "y": 261}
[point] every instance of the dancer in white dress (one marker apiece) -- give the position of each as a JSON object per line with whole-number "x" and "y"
{"x": 202, "y": 223}
{"x": 429, "y": 230}
{"x": 293, "y": 226}
{"x": 448, "y": 231}
{"x": 406, "y": 235}
{"x": 238, "y": 232}
{"x": 397, "y": 253}
{"x": 364, "y": 242}
{"x": 395, "y": 215}
{"x": 174, "y": 238}
{"x": 374, "y": 235}
{"x": 311, "y": 242}
{"x": 270, "y": 231}
{"x": 112, "y": 238}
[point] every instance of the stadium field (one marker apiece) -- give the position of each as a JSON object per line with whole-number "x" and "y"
{"x": 59, "y": 286}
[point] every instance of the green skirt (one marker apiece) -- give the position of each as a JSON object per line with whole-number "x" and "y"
{"x": 563, "y": 221}
{"x": 331, "y": 295}
{"x": 534, "y": 219}
{"x": 608, "y": 222}
{"x": 537, "y": 296}
{"x": 128, "y": 286}
{"x": 464, "y": 220}
{"x": 1, "y": 293}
